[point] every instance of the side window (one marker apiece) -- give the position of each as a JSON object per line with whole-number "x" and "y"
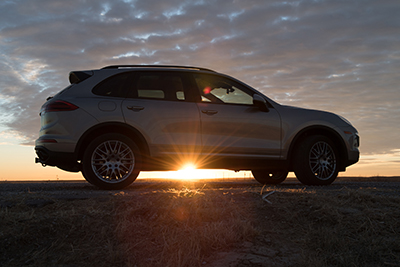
{"x": 148, "y": 86}
{"x": 114, "y": 86}
{"x": 221, "y": 90}
{"x": 155, "y": 85}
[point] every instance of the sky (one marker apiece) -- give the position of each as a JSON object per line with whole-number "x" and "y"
{"x": 338, "y": 56}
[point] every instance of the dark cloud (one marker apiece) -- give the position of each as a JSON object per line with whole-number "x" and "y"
{"x": 341, "y": 56}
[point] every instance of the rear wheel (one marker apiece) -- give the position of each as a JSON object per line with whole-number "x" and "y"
{"x": 111, "y": 161}
{"x": 315, "y": 161}
{"x": 269, "y": 177}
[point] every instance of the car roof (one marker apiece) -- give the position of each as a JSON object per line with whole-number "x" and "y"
{"x": 79, "y": 76}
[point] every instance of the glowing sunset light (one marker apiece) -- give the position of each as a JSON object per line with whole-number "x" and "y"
{"x": 190, "y": 172}
{"x": 189, "y": 167}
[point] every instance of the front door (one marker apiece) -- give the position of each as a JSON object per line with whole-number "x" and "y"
{"x": 231, "y": 125}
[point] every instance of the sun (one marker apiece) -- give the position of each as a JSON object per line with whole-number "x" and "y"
{"x": 187, "y": 172}
{"x": 189, "y": 167}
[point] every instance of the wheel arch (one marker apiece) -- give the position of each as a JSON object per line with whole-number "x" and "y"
{"x": 111, "y": 127}
{"x": 319, "y": 130}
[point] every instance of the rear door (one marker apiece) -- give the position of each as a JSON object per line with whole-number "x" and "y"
{"x": 158, "y": 107}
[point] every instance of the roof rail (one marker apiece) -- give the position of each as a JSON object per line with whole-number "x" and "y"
{"x": 155, "y": 66}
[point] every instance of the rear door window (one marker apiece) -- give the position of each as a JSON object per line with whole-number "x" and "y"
{"x": 159, "y": 85}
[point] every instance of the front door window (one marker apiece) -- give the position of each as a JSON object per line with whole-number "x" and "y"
{"x": 220, "y": 90}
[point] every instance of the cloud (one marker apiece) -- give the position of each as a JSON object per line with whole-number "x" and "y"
{"x": 341, "y": 56}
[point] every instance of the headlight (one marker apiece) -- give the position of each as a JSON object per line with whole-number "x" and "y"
{"x": 356, "y": 141}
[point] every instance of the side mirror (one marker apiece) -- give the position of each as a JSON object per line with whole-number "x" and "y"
{"x": 260, "y": 102}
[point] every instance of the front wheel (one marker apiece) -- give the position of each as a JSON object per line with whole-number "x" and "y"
{"x": 269, "y": 177}
{"x": 111, "y": 161}
{"x": 315, "y": 161}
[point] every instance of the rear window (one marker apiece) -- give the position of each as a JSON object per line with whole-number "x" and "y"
{"x": 114, "y": 86}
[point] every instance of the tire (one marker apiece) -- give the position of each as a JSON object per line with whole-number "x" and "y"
{"x": 269, "y": 177}
{"x": 315, "y": 161}
{"x": 111, "y": 161}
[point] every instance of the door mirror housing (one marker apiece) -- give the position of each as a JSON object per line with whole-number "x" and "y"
{"x": 260, "y": 102}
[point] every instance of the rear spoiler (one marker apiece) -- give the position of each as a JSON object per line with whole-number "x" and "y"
{"x": 79, "y": 76}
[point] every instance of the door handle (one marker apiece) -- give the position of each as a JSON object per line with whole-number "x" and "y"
{"x": 135, "y": 108}
{"x": 209, "y": 112}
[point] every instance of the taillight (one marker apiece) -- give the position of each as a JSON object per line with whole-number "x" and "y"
{"x": 58, "y": 105}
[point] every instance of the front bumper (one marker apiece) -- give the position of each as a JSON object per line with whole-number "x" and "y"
{"x": 354, "y": 153}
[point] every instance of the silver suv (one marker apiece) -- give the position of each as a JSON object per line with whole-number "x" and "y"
{"x": 114, "y": 122}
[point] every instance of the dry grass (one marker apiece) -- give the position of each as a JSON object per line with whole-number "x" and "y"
{"x": 344, "y": 228}
{"x": 60, "y": 233}
{"x": 188, "y": 226}
{"x": 180, "y": 227}
{"x": 164, "y": 228}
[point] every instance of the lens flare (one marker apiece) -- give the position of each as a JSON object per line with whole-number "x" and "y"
{"x": 207, "y": 90}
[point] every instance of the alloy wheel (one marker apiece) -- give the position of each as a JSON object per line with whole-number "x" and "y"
{"x": 322, "y": 160}
{"x": 113, "y": 161}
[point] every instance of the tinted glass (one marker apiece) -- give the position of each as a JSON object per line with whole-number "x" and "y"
{"x": 222, "y": 90}
{"x": 167, "y": 86}
{"x": 113, "y": 86}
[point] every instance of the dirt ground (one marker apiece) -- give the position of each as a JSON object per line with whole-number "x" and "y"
{"x": 354, "y": 222}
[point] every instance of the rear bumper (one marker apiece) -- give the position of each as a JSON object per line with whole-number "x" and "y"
{"x": 62, "y": 160}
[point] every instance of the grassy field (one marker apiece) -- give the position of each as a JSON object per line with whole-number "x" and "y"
{"x": 196, "y": 224}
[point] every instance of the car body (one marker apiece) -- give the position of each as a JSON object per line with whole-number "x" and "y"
{"x": 114, "y": 122}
